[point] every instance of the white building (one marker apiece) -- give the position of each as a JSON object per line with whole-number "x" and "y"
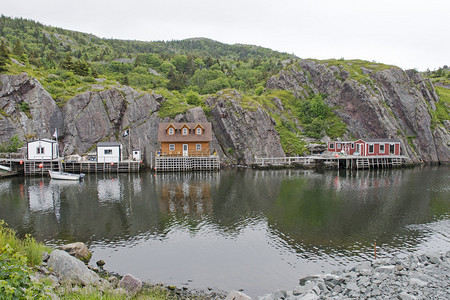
{"x": 137, "y": 155}
{"x": 110, "y": 152}
{"x": 42, "y": 149}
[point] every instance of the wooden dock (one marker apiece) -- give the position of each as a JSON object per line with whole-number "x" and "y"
{"x": 186, "y": 163}
{"x": 340, "y": 162}
{"x": 41, "y": 167}
{"x": 101, "y": 167}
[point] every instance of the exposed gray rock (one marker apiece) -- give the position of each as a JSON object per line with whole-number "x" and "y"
{"x": 427, "y": 281}
{"x": 235, "y": 295}
{"x": 131, "y": 284}
{"x": 71, "y": 269}
{"x": 243, "y": 133}
{"x": 79, "y": 250}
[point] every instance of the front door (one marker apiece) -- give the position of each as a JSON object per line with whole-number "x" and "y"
{"x": 185, "y": 150}
{"x": 358, "y": 149}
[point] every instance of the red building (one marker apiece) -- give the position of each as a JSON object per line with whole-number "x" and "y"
{"x": 366, "y": 147}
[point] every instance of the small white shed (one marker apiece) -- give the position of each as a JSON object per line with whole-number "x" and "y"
{"x": 110, "y": 152}
{"x": 42, "y": 149}
{"x": 137, "y": 155}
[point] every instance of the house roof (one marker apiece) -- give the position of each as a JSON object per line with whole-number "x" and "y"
{"x": 380, "y": 140}
{"x": 42, "y": 140}
{"x": 191, "y": 137}
{"x": 108, "y": 144}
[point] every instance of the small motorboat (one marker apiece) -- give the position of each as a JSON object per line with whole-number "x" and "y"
{"x": 65, "y": 176}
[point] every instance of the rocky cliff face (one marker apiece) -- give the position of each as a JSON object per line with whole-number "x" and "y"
{"x": 375, "y": 104}
{"x": 27, "y": 110}
{"x": 390, "y": 102}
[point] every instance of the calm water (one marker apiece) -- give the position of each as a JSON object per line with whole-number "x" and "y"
{"x": 253, "y": 230}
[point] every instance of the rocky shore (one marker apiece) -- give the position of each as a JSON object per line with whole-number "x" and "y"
{"x": 425, "y": 276}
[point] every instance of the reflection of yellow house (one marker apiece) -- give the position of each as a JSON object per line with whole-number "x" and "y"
{"x": 194, "y": 199}
{"x": 185, "y": 139}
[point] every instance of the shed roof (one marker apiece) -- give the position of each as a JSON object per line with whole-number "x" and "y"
{"x": 178, "y": 137}
{"x": 381, "y": 140}
{"x": 43, "y": 140}
{"x": 109, "y": 144}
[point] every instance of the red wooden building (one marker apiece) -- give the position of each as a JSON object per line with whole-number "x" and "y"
{"x": 185, "y": 139}
{"x": 366, "y": 147}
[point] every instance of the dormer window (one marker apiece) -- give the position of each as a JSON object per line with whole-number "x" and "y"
{"x": 171, "y": 131}
{"x": 185, "y": 131}
{"x": 199, "y": 130}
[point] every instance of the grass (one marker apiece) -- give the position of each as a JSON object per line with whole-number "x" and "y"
{"x": 354, "y": 67}
{"x": 442, "y": 111}
{"x": 28, "y": 246}
{"x": 153, "y": 292}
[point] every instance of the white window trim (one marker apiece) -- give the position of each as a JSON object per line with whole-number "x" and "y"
{"x": 185, "y": 131}
{"x": 171, "y": 147}
{"x": 40, "y": 150}
{"x": 109, "y": 151}
{"x": 338, "y": 145}
{"x": 198, "y": 147}
{"x": 384, "y": 148}
{"x": 332, "y": 146}
{"x": 199, "y": 130}
{"x": 171, "y": 131}
{"x": 373, "y": 148}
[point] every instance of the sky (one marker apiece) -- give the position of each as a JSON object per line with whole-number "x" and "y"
{"x": 410, "y": 34}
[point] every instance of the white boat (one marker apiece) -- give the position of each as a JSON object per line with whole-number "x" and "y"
{"x": 65, "y": 176}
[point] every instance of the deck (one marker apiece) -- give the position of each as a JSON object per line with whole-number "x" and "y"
{"x": 340, "y": 162}
{"x": 186, "y": 163}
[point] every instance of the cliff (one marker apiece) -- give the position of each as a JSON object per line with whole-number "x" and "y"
{"x": 377, "y": 102}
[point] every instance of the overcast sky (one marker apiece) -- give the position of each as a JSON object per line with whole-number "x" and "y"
{"x": 406, "y": 33}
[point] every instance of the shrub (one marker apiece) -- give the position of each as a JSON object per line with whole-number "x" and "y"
{"x": 15, "y": 281}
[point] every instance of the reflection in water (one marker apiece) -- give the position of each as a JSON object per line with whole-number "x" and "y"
{"x": 255, "y": 230}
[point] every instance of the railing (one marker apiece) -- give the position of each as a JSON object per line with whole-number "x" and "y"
{"x": 180, "y": 154}
{"x": 12, "y": 155}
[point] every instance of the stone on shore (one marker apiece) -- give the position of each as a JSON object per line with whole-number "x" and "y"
{"x": 130, "y": 284}
{"x": 79, "y": 250}
{"x": 235, "y": 295}
{"x": 70, "y": 269}
{"x": 413, "y": 277}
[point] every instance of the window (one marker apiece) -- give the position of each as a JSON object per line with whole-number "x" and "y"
{"x": 198, "y": 147}
{"x": 392, "y": 148}
{"x": 353, "y": 145}
{"x": 331, "y": 145}
{"x": 40, "y": 150}
{"x": 107, "y": 151}
{"x": 370, "y": 148}
{"x": 185, "y": 131}
{"x": 171, "y": 147}
{"x": 381, "y": 148}
{"x": 199, "y": 130}
{"x": 338, "y": 145}
{"x": 170, "y": 130}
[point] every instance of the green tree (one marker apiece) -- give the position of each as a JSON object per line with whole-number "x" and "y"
{"x": 193, "y": 98}
{"x": 67, "y": 63}
{"x": 12, "y": 146}
{"x": 81, "y": 67}
{"x": 17, "y": 48}
{"x": 180, "y": 62}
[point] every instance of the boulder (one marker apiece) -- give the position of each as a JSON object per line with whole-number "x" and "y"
{"x": 130, "y": 284}
{"x": 70, "y": 269}
{"x": 79, "y": 250}
{"x": 235, "y": 295}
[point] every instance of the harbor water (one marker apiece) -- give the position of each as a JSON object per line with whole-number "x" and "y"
{"x": 251, "y": 230}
